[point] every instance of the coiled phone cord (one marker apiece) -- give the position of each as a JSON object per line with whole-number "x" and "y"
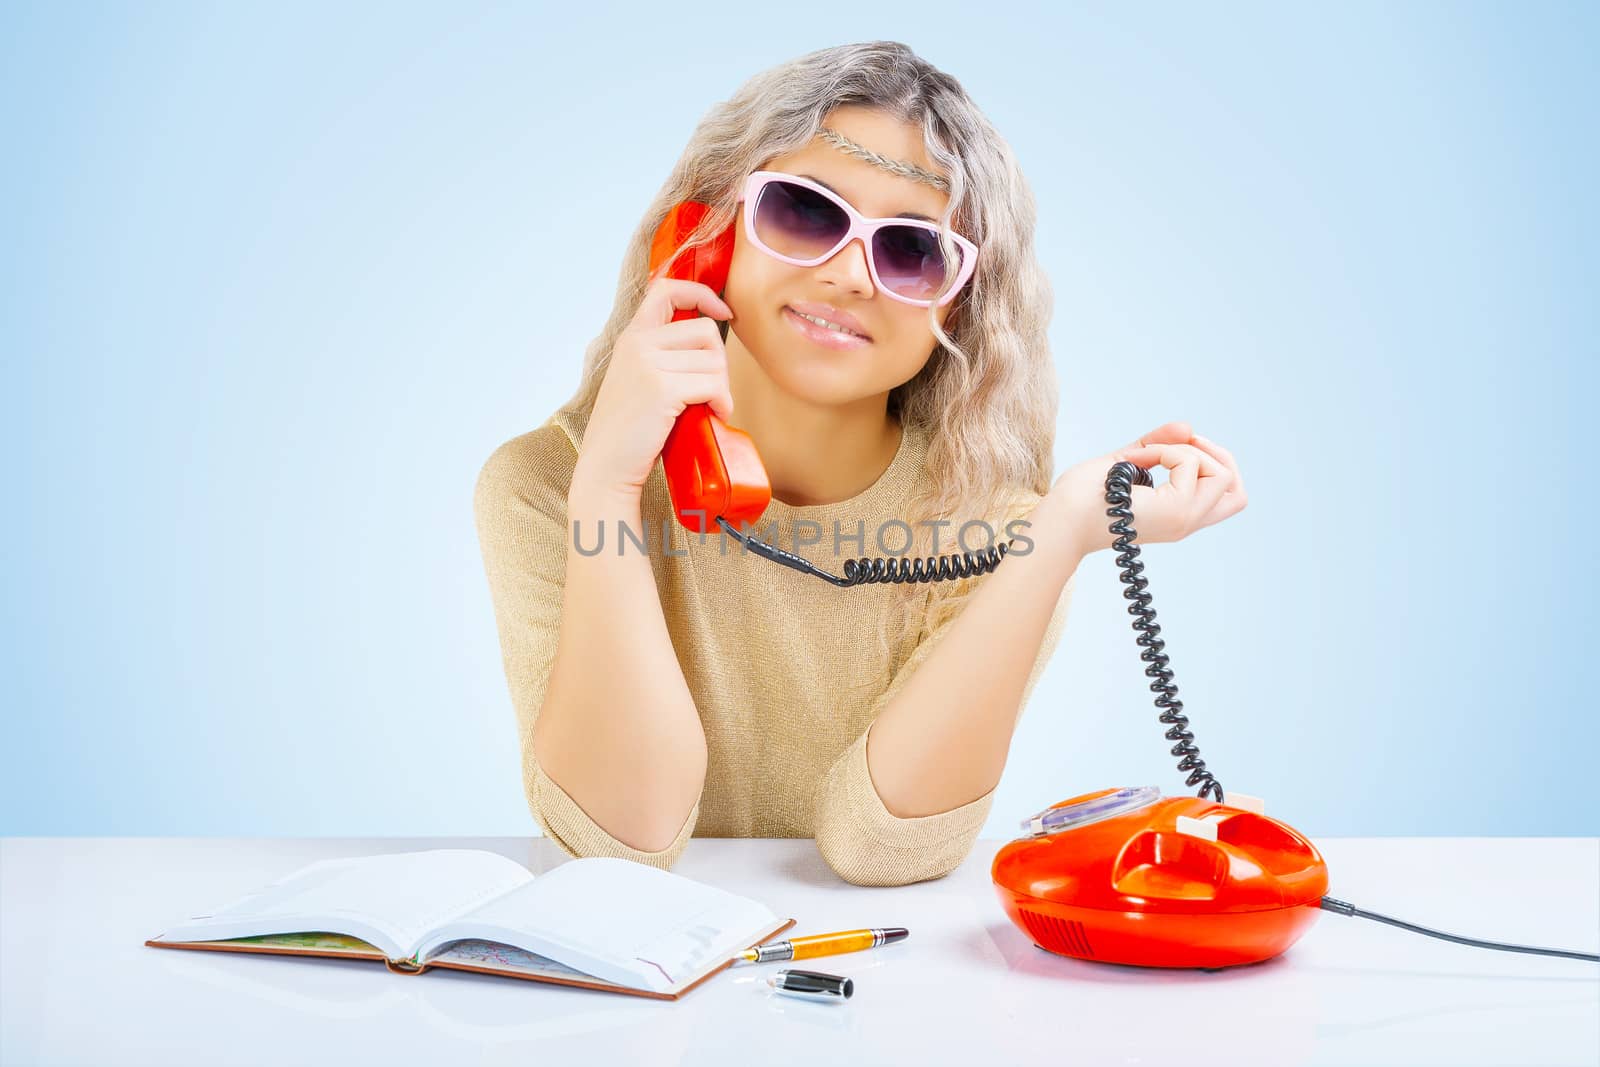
{"x": 1119, "y": 494}
{"x": 881, "y": 569}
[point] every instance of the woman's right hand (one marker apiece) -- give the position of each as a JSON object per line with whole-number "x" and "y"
{"x": 1203, "y": 488}
{"x": 658, "y": 367}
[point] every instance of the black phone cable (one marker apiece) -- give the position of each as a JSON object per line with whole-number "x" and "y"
{"x": 881, "y": 569}
{"x": 1334, "y": 904}
{"x": 1119, "y": 494}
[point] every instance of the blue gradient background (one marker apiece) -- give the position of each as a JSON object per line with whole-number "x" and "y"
{"x": 278, "y": 279}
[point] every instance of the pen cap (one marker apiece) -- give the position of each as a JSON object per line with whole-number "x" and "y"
{"x": 813, "y": 985}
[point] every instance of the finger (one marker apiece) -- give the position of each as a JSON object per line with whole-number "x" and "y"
{"x": 1209, "y": 491}
{"x": 708, "y": 389}
{"x": 1172, "y": 433}
{"x": 1182, "y": 465}
{"x": 1227, "y": 459}
{"x": 667, "y": 295}
{"x": 1187, "y": 463}
{"x": 690, "y": 333}
{"x": 691, "y": 361}
{"x": 1167, "y": 433}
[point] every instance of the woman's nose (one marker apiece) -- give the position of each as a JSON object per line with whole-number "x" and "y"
{"x": 848, "y": 268}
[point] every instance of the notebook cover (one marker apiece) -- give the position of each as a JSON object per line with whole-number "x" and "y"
{"x": 344, "y": 954}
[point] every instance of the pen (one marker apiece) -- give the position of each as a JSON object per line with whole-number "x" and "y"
{"x": 803, "y": 948}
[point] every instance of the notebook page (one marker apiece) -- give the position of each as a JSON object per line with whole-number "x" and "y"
{"x": 402, "y": 894}
{"x": 502, "y": 957}
{"x": 623, "y": 922}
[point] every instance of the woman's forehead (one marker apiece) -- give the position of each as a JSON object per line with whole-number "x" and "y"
{"x": 873, "y": 181}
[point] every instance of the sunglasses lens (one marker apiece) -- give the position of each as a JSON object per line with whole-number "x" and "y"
{"x": 910, "y": 263}
{"x": 798, "y": 222}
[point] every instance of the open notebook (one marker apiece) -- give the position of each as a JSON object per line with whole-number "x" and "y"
{"x": 598, "y": 922}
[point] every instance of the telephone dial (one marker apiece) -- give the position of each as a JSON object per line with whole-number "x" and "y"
{"x": 1115, "y": 876}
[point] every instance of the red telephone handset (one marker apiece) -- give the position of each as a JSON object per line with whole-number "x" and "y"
{"x": 712, "y": 469}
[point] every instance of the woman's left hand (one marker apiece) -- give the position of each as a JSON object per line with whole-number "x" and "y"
{"x": 1204, "y": 488}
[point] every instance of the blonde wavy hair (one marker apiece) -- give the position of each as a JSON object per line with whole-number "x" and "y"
{"x": 988, "y": 393}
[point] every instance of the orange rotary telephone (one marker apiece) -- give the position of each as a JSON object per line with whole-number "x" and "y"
{"x": 1124, "y": 876}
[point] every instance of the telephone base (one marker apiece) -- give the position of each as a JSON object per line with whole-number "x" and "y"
{"x": 1173, "y": 882}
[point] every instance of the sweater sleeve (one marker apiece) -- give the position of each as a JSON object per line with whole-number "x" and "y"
{"x": 520, "y": 509}
{"x": 861, "y": 839}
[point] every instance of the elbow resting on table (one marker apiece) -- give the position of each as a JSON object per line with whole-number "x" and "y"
{"x": 868, "y": 846}
{"x": 580, "y": 836}
{"x": 597, "y": 842}
{"x": 883, "y": 867}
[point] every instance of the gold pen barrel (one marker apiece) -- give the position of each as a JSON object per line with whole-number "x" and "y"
{"x": 833, "y": 944}
{"x": 806, "y": 948}
{"x": 801, "y": 948}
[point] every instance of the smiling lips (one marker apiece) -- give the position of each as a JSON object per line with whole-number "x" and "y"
{"x": 826, "y": 336}
{"x": 830, "y": 317}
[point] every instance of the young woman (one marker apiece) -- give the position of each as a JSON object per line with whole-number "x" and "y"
{"x": 896, "y": 385}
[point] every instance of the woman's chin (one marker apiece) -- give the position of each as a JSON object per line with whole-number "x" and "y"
{"x": 822, "y": 386}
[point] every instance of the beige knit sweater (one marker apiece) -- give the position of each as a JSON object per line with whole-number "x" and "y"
{"x": 781, "y": 664}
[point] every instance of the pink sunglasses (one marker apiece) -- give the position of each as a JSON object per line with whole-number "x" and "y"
{"x": 802, "y": 223}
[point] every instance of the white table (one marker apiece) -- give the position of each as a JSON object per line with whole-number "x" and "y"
{"x": 77, "y": 986}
